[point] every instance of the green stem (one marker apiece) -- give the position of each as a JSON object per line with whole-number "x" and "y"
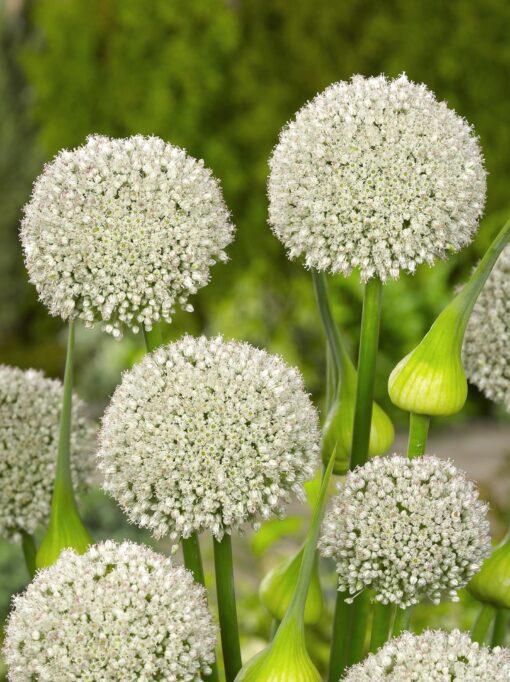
{"x": 382, "y": 624}
{"x": 66, "y": 529}
{"x": 402, "y": 621}
{"x": 193, "y": 557}
{"x": 500, "y": 628}
{"x": 369, "y": 342}
{"x": 331, "y": 378}
{"x": 29, "y": 551}
{"x": 359, "y": 617}
{"x": 227, "y": 606}
{"x": 360, "y": 610}
{"x": 275, "y": 624}
{"x": 339, "y": 354}
{"x": 153, "y": 338}
{"x": 418, "y": 432}
{"x": 341, "y": 628}
{"x": 482, "y": 623}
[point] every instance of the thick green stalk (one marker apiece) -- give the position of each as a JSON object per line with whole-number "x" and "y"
{"x": 359, "y": 611}
{"x": 500, "y": 628}
{"x": 29, "y": 551}
{"x": 382, "y": 625}
{"x": 66, "y": 529}
{"x": 369, "y": 342}
{"x": 418, "y": 432}
{"x": 225, "y": 588}
{"x": 402, "y": 621}
{"x": 193, "y": 558}
{"x": 482, "y": 623}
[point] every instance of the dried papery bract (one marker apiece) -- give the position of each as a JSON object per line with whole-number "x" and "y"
{"x": 406, "y": 529}
{"x": 486, "y": 350}
{"x": 121, "y": 231}
{"x": 207, "y": 434}
{"x": 30, "y": 406}
{"x": 433, "y": 655}
{"x": 121, "y": 613}
{"x": 377, "y": 175}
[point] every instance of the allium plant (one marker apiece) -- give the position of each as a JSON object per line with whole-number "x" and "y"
{"x": 433, "y": 656}
{"x": 120, "y": 231}
{"x": 118, "y": 613}
{"x": 206, "y": 435}
{"x": 30, "y": 406}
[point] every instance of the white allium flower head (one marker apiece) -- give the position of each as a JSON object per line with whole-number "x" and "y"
{"x": 30, "y": 407}
{"x": 207, "y": 434}
{"x": 120, "y": 612}
{"x": 433, "y": 656}
{"x": 406, "y": 529}
{"x": 119, "y": 231}
{"x": 486, "y": 351}
{"x": 375, "y": 174}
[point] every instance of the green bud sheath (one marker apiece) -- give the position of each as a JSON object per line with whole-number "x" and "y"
{"x": 66, "y": 530}
{"x": 431, "y": 379}
{"x": 339, "y": 424}
{"x": 286, "y": 659}
{"x": 492, "y": 584}
{"x": 277, "y": 589}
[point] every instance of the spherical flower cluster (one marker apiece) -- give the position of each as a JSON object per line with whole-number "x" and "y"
{"x": 120, "y": 230}
{"x": 407, "y": 529}
{"x": 486, "y": 351}
{"x": 117, "y": 613}
{"x": 434, "y": 656}
{"x": 30, "y": 406}
{"x": 375, "y": 174}
{"x": 207, "y": 434}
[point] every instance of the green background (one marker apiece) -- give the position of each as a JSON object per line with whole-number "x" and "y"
{"x": 220, "y": 78}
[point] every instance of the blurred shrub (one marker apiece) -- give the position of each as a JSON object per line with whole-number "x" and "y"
{"x": 221, "y": 78}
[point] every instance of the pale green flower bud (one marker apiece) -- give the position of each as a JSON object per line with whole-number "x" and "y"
{"x": 492, "y": 584}
{"x": 431, "y": 379}
{"x": 65, "y": 531}
{"x": 286, "y": 658}
{"x": 277, "y": 589}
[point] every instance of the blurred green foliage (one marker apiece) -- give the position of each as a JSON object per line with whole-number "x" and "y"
{"x": 221, "y": 77}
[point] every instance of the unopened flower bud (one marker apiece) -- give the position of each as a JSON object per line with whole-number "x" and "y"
{"x": 431, "y": 379}
{"x": 278, "y": 586}
{"x": 286, "y": 658}
{"x": 492, "y": 584}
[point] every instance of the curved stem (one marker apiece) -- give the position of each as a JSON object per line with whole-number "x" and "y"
{"x": 500, "y": 627}
{"x": 338, "y": 352}
{"x": 275, "y": 624}
{"x": 382, "y": 625}
{"x": 227, "y": 606}
{"x": 369, "y": 342}
{"x": 482, "y": 623}
{"x": 418, "y": 432}
{"x": 29, "y": 551}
